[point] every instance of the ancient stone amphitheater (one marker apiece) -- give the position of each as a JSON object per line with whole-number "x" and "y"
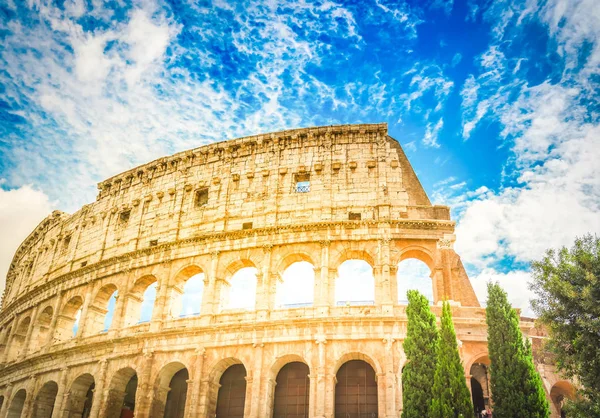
{"x": 322, "y": 195}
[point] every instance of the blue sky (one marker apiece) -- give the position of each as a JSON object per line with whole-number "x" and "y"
{"x": 495, "y": 102}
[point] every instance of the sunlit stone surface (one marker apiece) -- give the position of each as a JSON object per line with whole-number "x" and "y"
{"x": 253, "y": 277}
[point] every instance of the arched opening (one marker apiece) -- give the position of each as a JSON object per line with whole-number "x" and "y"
{"x": 140, "y": 301}
{"x": 175, "y": 406}
{"x": 561, "y": 392}
{"x": 292, "y": 391}
{"x": 4, "y": 334}
{"x": 67, "y": 323}
{"x": 240, "y": 291}
{"x": 17, "y": 345}
{"x": 1, "y": 402}
{"x": 121, "y": 394}
{"x": 80, "y": 397}
{"x": 101, "y": 311}
{"x": 232, "y": 392}
{"x": 39, "y": 338}
{"x": 170, "y": 391}
{"x": 480, "y": 384}
{"x": 43, "y": 406}
{"x": 355, "y": 284}
{"x": 186, "y": 294}
{"x": 414, "y": 274}
{"x": 16, "y": 406}
{"x": 356, "y": 390}
{"x": 296, "y": 287}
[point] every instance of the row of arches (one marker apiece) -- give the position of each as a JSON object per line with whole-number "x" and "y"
{"x": 354, "y": 285}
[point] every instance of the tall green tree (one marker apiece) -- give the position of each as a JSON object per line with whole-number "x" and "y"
{"x": 517, "y": 389}
{"x": 451, "y": 396}
{"x": 420, "y": 347}
{"x": 567, "y": 287}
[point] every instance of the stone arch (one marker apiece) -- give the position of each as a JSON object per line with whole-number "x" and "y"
{"x": 418, "y": 252}
{"x": 478, "y": 369}
{"x": 136, "y": 299}
{"x": 353, "y": 254}
{"x": 17, "y": 344}
{"x": 355, "y": 355}
{"x": 238, "y": 290}
{"x": 560, "y": 392}
{"x": 4, "y": 335}
{"x": 41, "y": 328}
{"x": 356, "y": 390}
{"x": 290, "y": 258}
{"x": 16, "y": 404}
{"x": 178, "y": 291}
{"x": 121, "y": 392}
{"x": 277, "y": 392}
{"x": 170, "y": 391}
{"x": 43, "y": 406}
{"x": 355, "y": 282}
{"x": 80, "y": 396}
{"x": 215, "y": 377}
{"x": 98, "y": 310}
{"x": 69, "y": 321}
{"x": 413, "y": 273}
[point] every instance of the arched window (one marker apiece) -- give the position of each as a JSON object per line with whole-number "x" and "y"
{"x": 121, "y": 398}
{"x": 414, "y": 274}
{"x": 43, "y": 406}
{"x": 148, "y": 299}
{"x": 296, "y": 288}
{"x": 17, "y": 345}
{"x": 140, "y": 301}
{"x": 355, "y": 284}
{"x": 67, "y": 323}
{"x": 356, "y": 390}
{"x": 292, "y": 391}
{"x": 232, "y": 392}
{"x": 187, "y": 291}
{"x": 16, "y": 406}
{"x": 101, "y": 312}
{"x": 559, "y": 394}
{"x": 240, "y": 292}
{"x": 480, "y": 384}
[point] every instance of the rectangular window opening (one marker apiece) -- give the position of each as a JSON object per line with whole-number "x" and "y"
{"x": 354, "y": 216}
{"x": 302, "y": 182}
{"x": 153, "y": 243}
{"x": 201, "y": 197}
{"x": 247, "y": 225}
{"x": 124, "y": 216}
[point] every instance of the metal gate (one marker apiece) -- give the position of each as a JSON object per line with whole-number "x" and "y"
{"x": 356, "y": 391}
{"x": 232, "y": 393}
{"x": 291, "y": 391}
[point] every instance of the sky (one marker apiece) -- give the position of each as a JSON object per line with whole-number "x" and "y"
{"x": 495, "y": 103}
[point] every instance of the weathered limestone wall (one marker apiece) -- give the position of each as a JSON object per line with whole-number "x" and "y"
{"x": 147, "y": 226}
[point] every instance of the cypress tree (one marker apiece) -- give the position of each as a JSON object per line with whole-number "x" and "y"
{"x": 517, "y": 389}
{"x": 452, "y": 398}
{"x": 420, "y": 347}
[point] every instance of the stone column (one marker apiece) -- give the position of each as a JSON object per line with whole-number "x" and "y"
{"x": 390, "y": 378}
{"x": 332, "y": 274}
{"x": 264, "y": 283}
{"x": 119, "y": 313}
{"x": 210, "y": 300}
{"x": 27, "y": 411}
{"x": 59, "y": 402}
{"x": 159, "y": 312}
{"x": 7, "y": 400}
{"x": 26, "y": 349}
{"x": 99, "y": 401}
{"x": 255, "y": 393}
{"x": 322, "y": 279}
{"x": 320, "y": 387}
{"x": 383, "y": 287}
{"x": 192, "y": 403}
{"x": 83, "y": 319}
{"x": 56, "y": 314}
{"x": 144, "y": 395}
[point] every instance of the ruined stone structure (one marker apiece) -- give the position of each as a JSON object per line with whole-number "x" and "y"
{"x": 320, "y": 195}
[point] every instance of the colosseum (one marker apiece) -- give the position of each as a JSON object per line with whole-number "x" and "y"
{"x": 318, "y": 197}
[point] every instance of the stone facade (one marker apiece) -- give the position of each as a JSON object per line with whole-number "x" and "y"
{"x": 215, "y": 210}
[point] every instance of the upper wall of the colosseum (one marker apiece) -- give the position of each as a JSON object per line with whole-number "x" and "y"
{"x": 354, "y": 172}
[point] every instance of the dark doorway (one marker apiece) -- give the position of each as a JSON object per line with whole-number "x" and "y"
{"x": 175, "y": 406}
{"x": 477, "y": 396}
{"x": 356, "y": 391}
{"x": 291, "y": 391}
{"x": 232, "y": 393}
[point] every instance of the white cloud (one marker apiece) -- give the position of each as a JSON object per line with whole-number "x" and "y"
{"x": 21, "y": 210}
{"x": 431, "y": 134}
{"x": 515, "y": 283}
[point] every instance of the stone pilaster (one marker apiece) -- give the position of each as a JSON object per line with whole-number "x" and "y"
{"x": 99, "y": 402}
{"x": 61, "y": 395}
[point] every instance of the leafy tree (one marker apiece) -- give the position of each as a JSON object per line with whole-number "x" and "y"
{"x": 567, "y": 287}
{"x": 420, "y": 347}
{"x": 517, "y": 389}
{"x": 451, "y": 396}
